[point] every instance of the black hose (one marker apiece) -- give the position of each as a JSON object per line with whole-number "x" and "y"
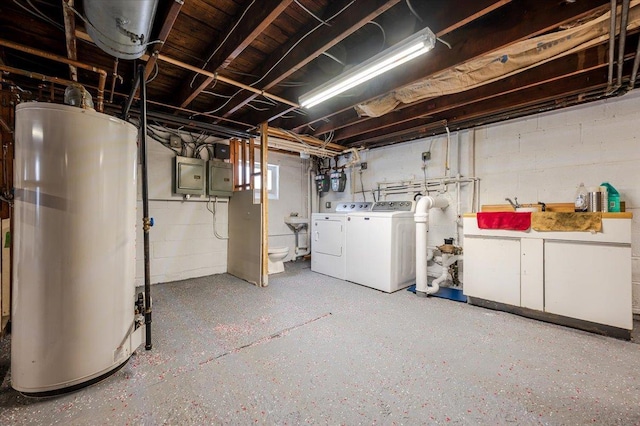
{"x": 146, "y": 222}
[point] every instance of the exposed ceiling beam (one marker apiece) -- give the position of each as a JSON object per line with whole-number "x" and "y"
{"x": 518, "y": 99}
{"x": 560, "y": 68}
{"x": 534, "y": 17}
{"x": 312, "y": 41}
{"x": 259, "y": 16}
{"x": 167, "y": 25}
{"x": 440, "y": 19}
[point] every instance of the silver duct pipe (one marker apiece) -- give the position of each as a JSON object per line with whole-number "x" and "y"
{"x": 121, "y": 28}
{"x": 634, "y": 72}
{"x": 612, "y": 42}
{"x": 623, "y": 36}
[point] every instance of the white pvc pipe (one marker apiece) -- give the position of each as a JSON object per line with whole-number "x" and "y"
{"x": 421, "y": 218}
{"x": 447, "y": 260}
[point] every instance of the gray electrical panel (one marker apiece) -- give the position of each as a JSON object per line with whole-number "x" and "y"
{"x": 190, "y": 176}
{"x": 220, "y": 181}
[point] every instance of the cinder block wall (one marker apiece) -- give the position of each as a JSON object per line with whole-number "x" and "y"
{"x": 182, "y": 241}
{"x": 543, "y": 157}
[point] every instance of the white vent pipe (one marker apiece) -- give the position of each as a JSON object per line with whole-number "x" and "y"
{"x": 121, "y": 28}
{"x": 421, "y": 218}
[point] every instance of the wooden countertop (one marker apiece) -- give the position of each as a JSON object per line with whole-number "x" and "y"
{"x": 605, "y": 215}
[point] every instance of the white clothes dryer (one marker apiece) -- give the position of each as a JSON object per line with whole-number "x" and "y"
{"x": 328, "y": 239}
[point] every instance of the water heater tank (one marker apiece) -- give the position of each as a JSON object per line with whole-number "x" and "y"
{"x": 121, "y": 28}
{"x": 74, "y": 248}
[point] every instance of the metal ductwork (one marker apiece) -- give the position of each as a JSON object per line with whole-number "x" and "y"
{"x": 121, "y": 28}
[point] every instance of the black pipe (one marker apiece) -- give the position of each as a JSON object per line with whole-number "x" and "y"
{"x": 127, "y": 106}
{"x": 146, "y": 222}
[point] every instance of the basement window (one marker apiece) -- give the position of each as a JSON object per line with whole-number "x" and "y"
{"x": 273, "y": 180}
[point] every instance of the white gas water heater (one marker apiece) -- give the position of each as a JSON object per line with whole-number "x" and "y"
{"x": 73, "y": 307}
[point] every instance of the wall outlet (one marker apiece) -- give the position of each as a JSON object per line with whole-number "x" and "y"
{"x": 327, "y": 205}
{"x": 363, "y": 166}
{"x": 426, "y": 156}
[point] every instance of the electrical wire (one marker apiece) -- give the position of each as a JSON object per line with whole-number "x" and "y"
{"x": 413, "y": 11}
{"x": 223, "y": 41}
{"x": 443, "y": 42}
{"x": 213, "y": 212}
{"x": 278, "y": 61}
{"x": 384, "y": 34}
{"x": 329, "y": 55}
{"x": 364, "y": 196}
{"x": 156, "y": 68}
{"x": 38, "y": 14}
{"x": 312, "y": 14}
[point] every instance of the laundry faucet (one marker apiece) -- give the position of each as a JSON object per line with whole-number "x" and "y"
{"x": 514, "y": 205}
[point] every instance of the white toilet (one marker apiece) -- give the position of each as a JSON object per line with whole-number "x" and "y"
{"x": 276, "y": 258}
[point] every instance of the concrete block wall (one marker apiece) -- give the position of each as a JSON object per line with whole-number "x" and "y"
{"x": 543, "y": 157}
{"x": 183, "y": 243}
{"x": 546, "y": 156}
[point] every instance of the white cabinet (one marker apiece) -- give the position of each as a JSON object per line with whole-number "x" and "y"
{"x": 590, "y": 282}
{"x": 532, "y": 273}
{"x": 581, "y": 275}
{"x": 496, "y": 269}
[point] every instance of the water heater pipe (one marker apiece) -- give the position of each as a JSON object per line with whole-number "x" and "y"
{"x": 421, "y": 218}
{"x": 101, "y": 73}
{"x": 146, "y": 221}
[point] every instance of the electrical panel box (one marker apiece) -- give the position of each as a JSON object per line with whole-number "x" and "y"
{"x": 221, "y": 151}
{"x": 220, "y": 181}
{"x": 190, "y": 176}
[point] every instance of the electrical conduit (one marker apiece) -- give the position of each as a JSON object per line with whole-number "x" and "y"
{"x": 421, "y": 218}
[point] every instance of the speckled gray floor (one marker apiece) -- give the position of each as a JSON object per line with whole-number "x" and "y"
{"x": 312, "y": 349}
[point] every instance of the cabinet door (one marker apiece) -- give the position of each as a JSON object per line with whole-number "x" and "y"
{"x": 591, "y": 282}
{"x": 532, "y": 273}
{"x": 492, "y": 269}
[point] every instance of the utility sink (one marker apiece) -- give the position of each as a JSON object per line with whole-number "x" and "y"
{"x": 296, "y": 223}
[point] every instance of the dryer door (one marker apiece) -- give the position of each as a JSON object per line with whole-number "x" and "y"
{"x": 328, "y": 237}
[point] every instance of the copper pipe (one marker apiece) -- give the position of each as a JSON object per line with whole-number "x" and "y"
{"x": 101, "y": 73}
{"x": 35, "y": 75}
{"x": 186, "y": 66}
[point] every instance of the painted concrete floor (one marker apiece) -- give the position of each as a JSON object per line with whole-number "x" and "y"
{"x": 310, "y": 349}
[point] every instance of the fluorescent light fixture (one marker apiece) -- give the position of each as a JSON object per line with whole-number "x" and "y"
{"x": 404, "y": 51}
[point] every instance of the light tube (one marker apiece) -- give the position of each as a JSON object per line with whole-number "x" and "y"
{"x": 396, "y": 55}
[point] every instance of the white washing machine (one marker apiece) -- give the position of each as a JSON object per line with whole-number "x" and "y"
{"x": 381, "y": 246}
{"x": 328, "y": 239}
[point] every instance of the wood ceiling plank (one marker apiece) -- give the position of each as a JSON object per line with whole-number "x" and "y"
{"x": 259, "y": 16}
{"x": 509, "y": 24}
{"x": 298, "y": 53}
{"x": 441, "y": 20}
{"x": 351, "y": 125}
{"x": 165, "y": 30}
{"x": 528, "y": 97}
{"x": 560, "y": 68}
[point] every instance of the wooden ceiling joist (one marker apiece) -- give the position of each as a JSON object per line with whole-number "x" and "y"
{"x": 534, "y": 18}
{"x": 221, "y": 53}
